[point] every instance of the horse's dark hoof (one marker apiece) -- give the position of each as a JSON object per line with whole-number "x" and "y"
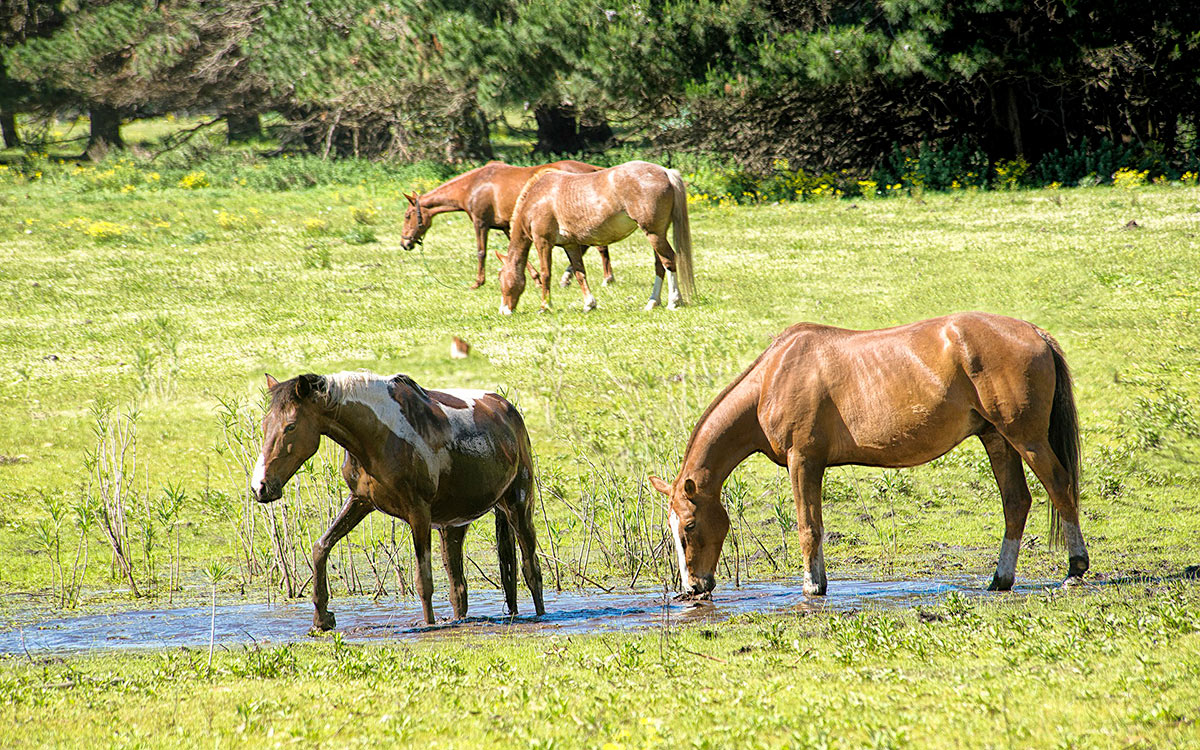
{"x": 323, "y": 622}
{"x": 1000, "y": 584}
{"x": 1077, "y": 566}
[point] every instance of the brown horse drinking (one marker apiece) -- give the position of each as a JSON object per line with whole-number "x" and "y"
{"x": 822, "y": 396}
{"x": 436, "y": 459}
{"x": 599, "y": 208}
{"x": 488, "y": 195}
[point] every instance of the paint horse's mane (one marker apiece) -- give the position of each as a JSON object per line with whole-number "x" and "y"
{"x": 340, "y": 387}
{"x": 525, "y": 190}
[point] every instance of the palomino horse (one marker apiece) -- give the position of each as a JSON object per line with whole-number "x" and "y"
{"x": 599, "y": 208}
{"x": 488, "y": 195}
{"x": 436, "y": 459}
{"x": 821, "y": 396}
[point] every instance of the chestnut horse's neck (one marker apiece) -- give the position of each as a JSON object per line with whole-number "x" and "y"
{"x": 450, "y": 195}
{"x": 727, "y": 434}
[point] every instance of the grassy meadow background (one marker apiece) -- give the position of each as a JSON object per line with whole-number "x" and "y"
{"x": 168, "y": 289}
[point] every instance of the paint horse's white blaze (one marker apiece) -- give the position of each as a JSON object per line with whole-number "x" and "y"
{"x": 260, "y": 473}
{"x": 372, "y": 391}
{"x": 683, "y": 569}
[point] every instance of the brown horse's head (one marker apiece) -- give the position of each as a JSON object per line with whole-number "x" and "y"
{"x": 699, "y": 524}
{"x": 291, "y": 433}
{"x": 512, "y": 284}
{"x": 417, "y": 221}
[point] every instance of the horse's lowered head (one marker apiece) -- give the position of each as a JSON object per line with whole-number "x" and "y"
{"x": 291, "y": 432}
{"x": 699, "y": 525}
{"x": 512, "y": 284}
{"x": 417, "y": 221}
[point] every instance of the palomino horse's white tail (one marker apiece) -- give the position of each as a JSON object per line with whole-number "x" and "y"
{"x": 683, "y": 237}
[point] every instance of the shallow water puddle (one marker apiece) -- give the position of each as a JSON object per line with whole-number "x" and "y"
{"x": 364, "y": 619}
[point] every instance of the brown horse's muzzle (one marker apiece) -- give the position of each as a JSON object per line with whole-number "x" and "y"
{"x": 701, "y": 588}
{"x": 268, "y": 491}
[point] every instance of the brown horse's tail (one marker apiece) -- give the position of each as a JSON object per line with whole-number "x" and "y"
{"x": 1064, "y": 433}
{"x": 682, "y": 236}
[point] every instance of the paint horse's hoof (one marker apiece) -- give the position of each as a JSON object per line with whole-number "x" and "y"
{"x": 1000, "y": 584}
{"x": 653, "y": 303}
{"x": 675, "y": 303}
{"x": 323, "y": 622}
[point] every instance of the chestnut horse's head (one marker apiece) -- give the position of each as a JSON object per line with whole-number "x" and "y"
{"x": 291, "y": 433}
{"x": 417, "y": 221}
{"x": 512, "y": 284}
{"x": 699, "y": 524}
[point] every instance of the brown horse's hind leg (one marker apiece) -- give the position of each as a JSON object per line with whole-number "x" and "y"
{"x": 452, "y": 559}
{"x": 545, "y": 261}
{"x": 806, "y": 490}
{"x": 656, "y": 290}
{"x": 1014, "y": 494}
{"x": 606, "y": 266}
{"x": 666, "y": 257}
{"x": 354, "y": 511}
{"x": 1055, "y": 478}
{"x": 575, "y": 255}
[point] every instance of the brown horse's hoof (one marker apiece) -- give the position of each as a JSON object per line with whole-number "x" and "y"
{"x": 478, "y": 283}
{"x": 323, "y": 622}
{"x": 608, "y": 281}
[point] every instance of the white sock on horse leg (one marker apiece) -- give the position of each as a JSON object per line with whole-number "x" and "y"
{"x": 655, "y": 293}
{"x": 674, "y": 296}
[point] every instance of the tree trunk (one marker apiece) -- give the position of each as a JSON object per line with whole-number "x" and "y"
{"x": 242, "y": 127}
{"x": 105, "y": 131}
{"x": 8, "y": 125}
{"x": 557, "y": 130}
{"x": 595, "y": 132}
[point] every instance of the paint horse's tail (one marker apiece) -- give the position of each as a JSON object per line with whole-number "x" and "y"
{"x": 1064, "y": 433}
{"x": 683, "y": 236}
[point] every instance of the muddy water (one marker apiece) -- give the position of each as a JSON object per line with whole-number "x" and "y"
{"x": 361, "y": 619}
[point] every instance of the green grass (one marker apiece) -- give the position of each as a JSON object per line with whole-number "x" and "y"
{"x": 1117, "y": 668}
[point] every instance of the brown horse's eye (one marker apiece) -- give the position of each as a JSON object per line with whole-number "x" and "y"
{"x": 690, "y": 527}
{"x": 289, "y": 427}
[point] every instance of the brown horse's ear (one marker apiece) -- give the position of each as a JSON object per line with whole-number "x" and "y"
{"x": 689, "y": 488}
{"x": 271, "y": 382}
{"x": 308, "y": 384}
{"x": 503, "y": 258}
{"x": 412, "y": 198}
{"x": 660, "y": 485}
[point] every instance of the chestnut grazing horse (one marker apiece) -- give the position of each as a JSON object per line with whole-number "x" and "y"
{"x": 488, "y": 195}
{"x": 435, "y": 459}
{"x": 897, "y": 397}
{"x": 599, "y": 208}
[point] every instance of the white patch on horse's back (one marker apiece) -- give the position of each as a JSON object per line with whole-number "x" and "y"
{"x": 373, "y": 392}
{"x": 684, "y": 575}
{"x": 465, "y": 434}
{"x": 260, "y": 474}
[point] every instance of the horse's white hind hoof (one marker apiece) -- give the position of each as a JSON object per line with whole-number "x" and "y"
{"x": 505, "y": 310}
{"x": 608, "y": 281}
{"x": 651, "y": 305}
{"x": 566, "y": 280}
{"x": 589, "y": 303}
{"x": 674, "y": 304}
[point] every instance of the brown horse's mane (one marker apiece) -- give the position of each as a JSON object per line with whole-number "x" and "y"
{"x": 525, "y": 189}
{"x": 721, "y": 396}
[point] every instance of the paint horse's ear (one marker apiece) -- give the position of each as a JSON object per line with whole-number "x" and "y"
{"x": 308, "y": 384}
{"x": 660, "y": 485}
{"x": 271, "y": 382}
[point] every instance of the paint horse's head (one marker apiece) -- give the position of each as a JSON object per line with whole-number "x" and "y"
{"x": 699, "y": 525}
{"x": 291, "y": 432}
{"x": 417, "y": 221}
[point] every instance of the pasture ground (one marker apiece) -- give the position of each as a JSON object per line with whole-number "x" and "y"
{"x": 172, "y": 298}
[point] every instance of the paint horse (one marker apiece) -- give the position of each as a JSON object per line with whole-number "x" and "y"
{"x": 898, "y": 397}
{"x": 599, "y": 208}
{"x": 436, "y": 459}
{"x": 488, "y": 194}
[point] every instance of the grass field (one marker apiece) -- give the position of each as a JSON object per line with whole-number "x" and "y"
{"x": 170, "y": 299}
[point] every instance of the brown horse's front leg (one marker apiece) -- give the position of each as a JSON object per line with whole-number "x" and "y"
{"x": 452, "y": 559}
{"x": 806, "y": 490}
{"x": 354, "y": 511}
{"x": 481, "y": 237}
{"x": 575, "y": 255}
{"x": 606, "y": 266}
{"x": 423, "y": 577}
